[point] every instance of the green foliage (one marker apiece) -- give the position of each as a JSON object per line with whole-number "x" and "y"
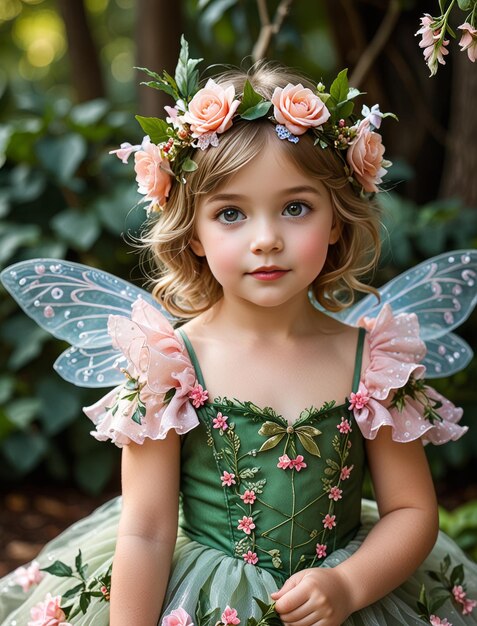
{"x": 461, "y": 525}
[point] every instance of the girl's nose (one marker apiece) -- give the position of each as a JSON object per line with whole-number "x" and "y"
{"x": 266, "y": 238}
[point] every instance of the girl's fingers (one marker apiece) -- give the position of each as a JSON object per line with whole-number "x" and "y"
{"x": 291, "y": 599}
{"x": 289, "y": 584}
{"x": 312, "y": 619}
{"x": 297, "y": 614}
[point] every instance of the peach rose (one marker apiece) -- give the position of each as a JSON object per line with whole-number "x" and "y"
{"x": 177, "y": 617}
{"x": 48, "y": 613}
{"x": 365, "y": 157}
{"x": 298, "y": 108}
{"x": 153, "y": 174}
{"x": 211, "y": 109}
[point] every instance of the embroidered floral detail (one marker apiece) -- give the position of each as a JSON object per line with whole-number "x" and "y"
{"x": 416, "y": 389}
{"x": 250, "y": 557}
{"x": 198, "y": 396}
{"x": 220, "y": 422}
{"x": 284, "y": 462}
{"x": 249, "y": 496}
{"x": 346, "y": 472}
{"x": 359, "y": 399}
{"x": 48, "y": 613}
{"x": 132, "y": 388}
{"x": 228, "y": 479}
{"x": 335, "y": 494}
{"x": 460, "y": 596}
{"x": 329, "y": 521}
{"x": 29, "y": 576}
{"x": 321, "y": 549}
{"x": 246, "y": 524}
{"x": 344, "y": 426}
{"x": 298, "y": 463}
{"x": 276, "y": 432}
{"x": 437, "y": 621}
{"x": 177, "y": 617}
{"x": 229, "y": 616}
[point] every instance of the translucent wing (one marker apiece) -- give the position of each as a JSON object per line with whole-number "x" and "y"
{"x": 442, "y": 292}
{"x": 73, "y": 302}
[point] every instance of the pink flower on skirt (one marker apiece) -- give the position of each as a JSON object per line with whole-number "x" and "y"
{"x": 250, "y": 557}
{"x": 199, "y": 396}
{"x": 29, "y": 576}
{"x": 229, "y": 616}
{"x": 48, "y": 613}
{"x": 437, "y": 621}
{"x": 177, "y": 617}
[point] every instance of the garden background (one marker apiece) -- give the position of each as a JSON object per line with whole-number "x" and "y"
{"x": 68, "y": 94}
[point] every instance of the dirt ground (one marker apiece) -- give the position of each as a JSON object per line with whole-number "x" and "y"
{"x": 31, "y": 516}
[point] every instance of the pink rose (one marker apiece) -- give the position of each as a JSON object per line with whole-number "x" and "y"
{"x": 229, "y": 616}
{"x": 26, "y": 577}
{"x": 177, "y": 617}
{"x": 153, "y": 174}
{"x": 48, "y": 613}
{"x": 365, "y": 157}
{"x": 298, "y": 108}
{"x": 468, "y": 40}
{"x": 211, "y": 109}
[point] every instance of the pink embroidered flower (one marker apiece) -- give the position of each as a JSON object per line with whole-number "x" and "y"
{"x": 335, "y": 494}
{"x": 298, "y": 108}
{"x": 229, "y": 616}
{"x": 329, "y": 521}
{"x": 298, "y": 463}
{"x": 321, "y": 549}
{"x": 124, "y": 151}
{"x": 284, "y": 462}
{"x": 199, "y": 396}
{"x": 48, "y": 613}
{"x": 468, "y": 41}
{"x": 344, "y": 426}
{"x": 437, "y": 621}
{"x": 177, "y": 617}
{"x": 249, "y": 496}
{"x": 26, "y": 577}
{"x": 220, "y": 422}
{"x": 227, "y": 479}
{"x": 434, "y": 47}
{"x": 246, "y": 524}
{"x": 359, "y": 399}
{"x": 365, "y": 157}
{"x": 211, "y": 109}
{"x": 250, "y": 557}
{"x": 153, "y": 174}
{"x": 460, "y": 596}
{"x": 346, "y": 472}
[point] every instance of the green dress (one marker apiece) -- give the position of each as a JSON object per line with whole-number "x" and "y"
{"x": 261, "y": 499}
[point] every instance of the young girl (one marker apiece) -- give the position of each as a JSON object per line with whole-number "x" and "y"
{"x": 251, "y": 425}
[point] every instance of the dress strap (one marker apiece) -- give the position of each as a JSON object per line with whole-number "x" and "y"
{"x": 193, "y": 357}
{"x": 358, "y": 362}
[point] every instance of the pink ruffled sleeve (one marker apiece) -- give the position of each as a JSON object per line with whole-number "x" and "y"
{"x": 155, "y": 396}
{"x": 392, "y": 390}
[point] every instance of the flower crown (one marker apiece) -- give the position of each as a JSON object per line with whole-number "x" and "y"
{"x": 201, "y": 116}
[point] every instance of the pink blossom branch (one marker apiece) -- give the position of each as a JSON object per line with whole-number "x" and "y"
{"x": 269, "y": 29}
{"x": 377, "y": 43}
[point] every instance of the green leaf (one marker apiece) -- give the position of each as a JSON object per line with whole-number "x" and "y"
{"x": 340, "y": 87}
{"x": 457, "y": 575}
{"x": 310, "y": 431}
{"x": 250, "y": 98}
{"x": 80, "y": 229}
{"x": 272, "y": 442}
{"x": 24, "y": 450}
{"x": 309, "y": 445}
{"x": 22, "y": 411}
{"x": 155, "y": 128}
{"x": 137, "y": 416}
{"x": 465, "y": 5}
{"x": 79, "y": 563}
{"x": 344, "y": 109}
{"x": 61, "y": 156}
{"x": 257, "y": 111}
{"x": 270, "y": 428}
{"x": 89, "y": 113}
{"x": 15, "y": 236}
{"x": 73, "y": 591}
{"x": 186, "y": 74}
{"x": 58, "y": 568}
{"x": 188, "y": 165}
{"x": 85, "y": 600}
{"x": 169, "y": 395}
{"x": 64, "y": 397}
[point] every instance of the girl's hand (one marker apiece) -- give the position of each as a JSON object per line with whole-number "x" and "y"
{"x": 313, "y": 597}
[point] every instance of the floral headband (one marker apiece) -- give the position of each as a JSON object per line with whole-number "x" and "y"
{"x": 201, "y": 116}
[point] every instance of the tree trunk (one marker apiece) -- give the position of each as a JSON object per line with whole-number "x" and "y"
{"x": 85, "y": 68}
{"x": 159, "y": 27}
{"x": 460, "y": 169}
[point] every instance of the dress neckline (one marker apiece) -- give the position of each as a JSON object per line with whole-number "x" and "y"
{"x": 333, "y": 406}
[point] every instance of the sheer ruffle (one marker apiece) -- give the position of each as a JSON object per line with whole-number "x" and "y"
{"x": 395, "y": 354}
{"x": 155, "y": 396}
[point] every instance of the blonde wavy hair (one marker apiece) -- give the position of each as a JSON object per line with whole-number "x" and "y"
{"x": 183, "y": 283}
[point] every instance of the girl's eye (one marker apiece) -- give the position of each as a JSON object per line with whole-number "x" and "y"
{"x": 296, "y": 209}
{"x": 230, "y": 216}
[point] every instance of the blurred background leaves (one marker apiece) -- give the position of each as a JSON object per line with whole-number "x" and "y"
{"x": 68, "y": 94}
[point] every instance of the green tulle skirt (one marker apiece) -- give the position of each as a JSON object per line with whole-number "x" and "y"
{"x": 226, "y": 580}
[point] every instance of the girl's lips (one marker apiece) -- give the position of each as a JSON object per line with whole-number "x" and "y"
{"x": 272, "y": 274}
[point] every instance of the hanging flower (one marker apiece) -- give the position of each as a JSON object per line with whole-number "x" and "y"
{"x": 435, "y": 46}
{"x": 468, "y": 41}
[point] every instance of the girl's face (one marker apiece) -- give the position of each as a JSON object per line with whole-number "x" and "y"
{"x": 265, "y": 232}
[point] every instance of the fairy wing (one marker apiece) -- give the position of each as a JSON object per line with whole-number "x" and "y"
{"x": 73, "y": 302}
{"x": 442, "y": 292}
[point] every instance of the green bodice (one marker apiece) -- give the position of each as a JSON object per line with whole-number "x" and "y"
{"x": 275, "y": 495}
